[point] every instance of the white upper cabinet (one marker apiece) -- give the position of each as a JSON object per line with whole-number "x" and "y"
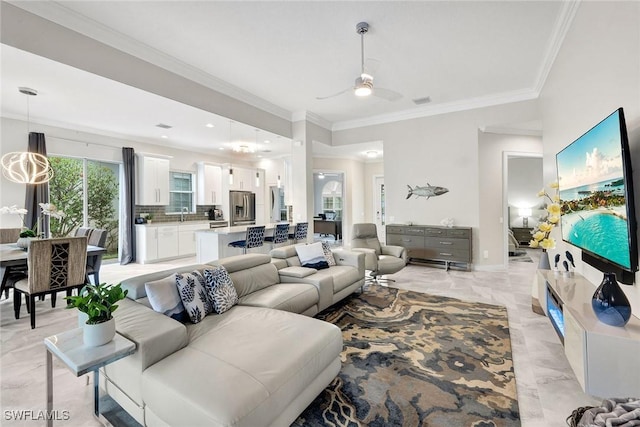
{"x": 242, "y": 179}
{"x": 209, "y": 184}
{"x": 153, "y": 180}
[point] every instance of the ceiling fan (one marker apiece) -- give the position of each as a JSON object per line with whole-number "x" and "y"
{"x": 364, "y": 83}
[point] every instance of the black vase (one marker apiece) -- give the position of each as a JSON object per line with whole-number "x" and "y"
{"x": 609, "y": 302}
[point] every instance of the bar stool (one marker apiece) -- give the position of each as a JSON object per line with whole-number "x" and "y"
{"x": 300, "y": 232}
{"x": 254, "y": 239}
{"x": 280, "y": 235}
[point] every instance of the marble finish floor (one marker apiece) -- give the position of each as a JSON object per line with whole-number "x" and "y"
{"x": 547, "y": 388}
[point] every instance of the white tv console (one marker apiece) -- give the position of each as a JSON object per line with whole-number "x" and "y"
{"x": 605, "y": 359}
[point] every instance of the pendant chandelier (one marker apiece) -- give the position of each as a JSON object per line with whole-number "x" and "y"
{"x": 26, "y": 167}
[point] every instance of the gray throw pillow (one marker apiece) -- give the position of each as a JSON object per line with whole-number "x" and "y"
{"x": 220, "y": 289}
{"x": 191, "y": 287}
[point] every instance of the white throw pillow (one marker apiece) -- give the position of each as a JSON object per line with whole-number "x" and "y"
{"x": 191, "y": 287}
{"x": 312, "y": 256}
{"x": 164, "y": 298}
{"x": 220, "y": 289}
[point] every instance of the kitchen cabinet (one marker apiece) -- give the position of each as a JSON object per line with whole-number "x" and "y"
{"x": 242, "y": 179}
{"x": 153, "y": 180}
{"x": 156, "y": 242}
{"x": 187, "y": 238}
{"x": 209, "y": 184}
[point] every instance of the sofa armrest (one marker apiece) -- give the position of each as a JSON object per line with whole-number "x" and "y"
{"x": 370, "y": 258}
{"x": 353, "y": 258}
{"x": 298, "y": 272}
{"x": 396, "y": 251}
{"x": 156, "y": 335}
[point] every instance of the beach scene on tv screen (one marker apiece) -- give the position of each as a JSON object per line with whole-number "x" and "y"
{"x": 592, "y": 195}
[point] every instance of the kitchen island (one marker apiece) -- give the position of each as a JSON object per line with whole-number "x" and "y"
{"x": 212, "y": 244}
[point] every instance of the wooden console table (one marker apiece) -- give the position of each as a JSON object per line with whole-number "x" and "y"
{"x": 522, "y": 235}
{"x": 448, "y": 245}
{"x": 604, "y": 358}
{"x": 328, "y": 227}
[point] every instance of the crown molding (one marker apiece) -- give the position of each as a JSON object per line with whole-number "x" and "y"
{"x": 511, "y": 131}
{"x": 434, "y": 110}
{"x": 563, "y": 24}
{"x": 79, "y": 23}
{"x": 311, "y": 117}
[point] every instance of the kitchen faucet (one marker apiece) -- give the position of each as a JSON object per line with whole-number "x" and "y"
{"x": 182, "y": 212}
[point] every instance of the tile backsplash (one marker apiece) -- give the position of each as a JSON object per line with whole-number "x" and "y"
{"x": 159, "y": 215}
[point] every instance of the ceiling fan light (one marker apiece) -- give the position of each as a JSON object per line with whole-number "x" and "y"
{"x": 363, "y": 91}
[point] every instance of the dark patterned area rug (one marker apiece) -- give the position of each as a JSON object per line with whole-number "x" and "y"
{"x": 413, "y": 359}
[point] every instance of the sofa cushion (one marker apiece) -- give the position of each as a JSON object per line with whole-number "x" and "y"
{"x": 292, "y": 297}
{"x": 164, "y": 298}
{"x": 220, "y": 289}
{"x": 274, "y": 356}
{"x": 312, "y": 256}
{"x": 191, "y": 287}
{"x": 342, "y": 276}
{"x": 328, "y": 254}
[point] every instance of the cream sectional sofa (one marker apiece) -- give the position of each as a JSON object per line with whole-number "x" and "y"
{"x": 258, "y": 364}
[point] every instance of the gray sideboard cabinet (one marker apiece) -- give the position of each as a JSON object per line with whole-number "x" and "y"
{"x": 447, "y": 245}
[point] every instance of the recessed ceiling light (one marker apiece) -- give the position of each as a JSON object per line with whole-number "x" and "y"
{"x": 164, "y": 137}
{"x": 372, "y": 154}
{"x": 221, "y": 148}
{"x": 266, "y": 141}
{"x": 210, "y": 125}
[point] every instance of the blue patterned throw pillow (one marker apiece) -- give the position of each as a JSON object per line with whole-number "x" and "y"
{"x": 220, "y": 289}
{"x": 191, "y": 287}
{"x": 328, "y": 254}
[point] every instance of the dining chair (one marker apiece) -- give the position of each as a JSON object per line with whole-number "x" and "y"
{"x": 9, "y": 235}
{"x": 97, "y": 237}
{"x": 300, "y": 232}
{"x": 280, "y": 235}
{"x": 54, "y": 265}
{"x": 254, "y": 239}
{"x": 82, "y": 231}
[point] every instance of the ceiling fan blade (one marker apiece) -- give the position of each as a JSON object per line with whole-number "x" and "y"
{"x": 388, "y": 94}
{"x": 335, "y": 94}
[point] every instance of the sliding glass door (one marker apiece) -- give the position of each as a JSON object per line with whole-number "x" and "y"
{"x": 88, "y": 193}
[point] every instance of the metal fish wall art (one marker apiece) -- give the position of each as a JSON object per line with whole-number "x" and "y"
{"x": 426, "y": 191}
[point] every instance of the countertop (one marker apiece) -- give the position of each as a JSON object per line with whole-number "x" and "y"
{"x": 203, "y": 222}
{"x": 241, "y": 228}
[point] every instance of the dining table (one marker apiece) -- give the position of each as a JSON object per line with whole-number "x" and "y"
{"x": 14, "y": 258}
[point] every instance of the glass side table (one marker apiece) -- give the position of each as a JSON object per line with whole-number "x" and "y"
{"x": 80, "y": 359}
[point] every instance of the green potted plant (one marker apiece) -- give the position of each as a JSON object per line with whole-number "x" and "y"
{"x": 98, "y": 302}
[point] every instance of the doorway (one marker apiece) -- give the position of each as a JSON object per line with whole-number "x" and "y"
{"x": 379, "y": 217}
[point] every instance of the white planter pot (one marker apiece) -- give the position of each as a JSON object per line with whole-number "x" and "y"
{"x": 82, "y": 319}
{"x": 24, "y": 242}
{"x": 99, "y": 334}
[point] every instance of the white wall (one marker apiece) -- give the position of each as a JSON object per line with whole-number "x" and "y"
{"x": 440, "y": 150}
{"x": 597, "y": 70}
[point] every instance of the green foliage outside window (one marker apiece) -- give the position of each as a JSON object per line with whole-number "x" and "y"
{"x": 66, "y": 192}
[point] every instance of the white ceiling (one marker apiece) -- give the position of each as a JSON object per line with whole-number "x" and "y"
{"x": 281, "y": 55}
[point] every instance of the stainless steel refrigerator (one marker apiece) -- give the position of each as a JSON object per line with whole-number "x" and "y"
{"x": 243, "y": 208}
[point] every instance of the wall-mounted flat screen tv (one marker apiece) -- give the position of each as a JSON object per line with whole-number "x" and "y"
{"x": 596, "y": 192}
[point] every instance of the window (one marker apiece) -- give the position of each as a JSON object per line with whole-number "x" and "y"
{"x": 332, "y": 200}
{"x": 181, "y": 193}
{"x": 88, "y": 191}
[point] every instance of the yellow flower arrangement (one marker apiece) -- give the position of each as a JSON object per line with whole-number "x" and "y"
{"x": 541, "y": 235}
